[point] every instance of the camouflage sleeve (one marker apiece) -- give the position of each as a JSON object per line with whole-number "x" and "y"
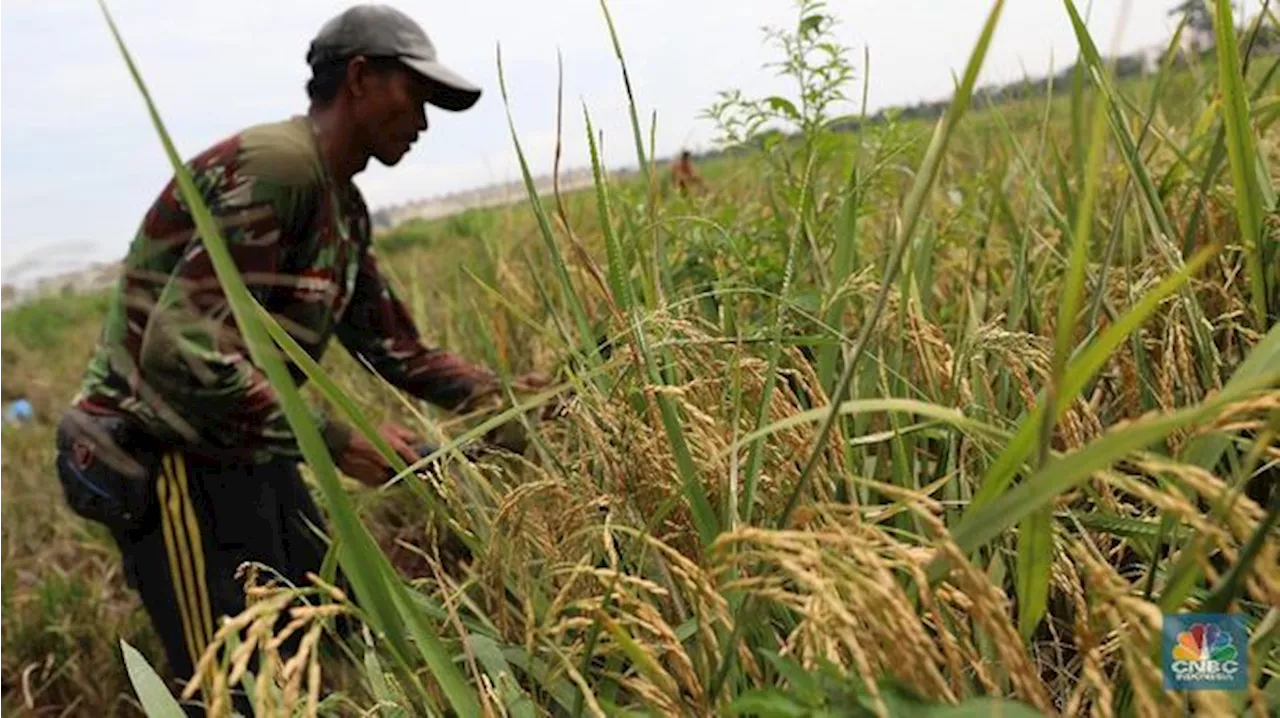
{"x": 194, "y": 354}
{"x": 377, "y": 328}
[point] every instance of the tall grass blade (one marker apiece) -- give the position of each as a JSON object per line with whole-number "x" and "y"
{"x": 853, "y": 407}
{"x": 1077, "y": 116}
{"x": 1121, "y": 526}
{"x": 619, "y": 276}
{"x": 843, "y": 264}
{"x": 1034, "y": 564}
{"x": 1035, "y": 534}
{"x": 755, "y": 458}
{"x": 1240, "y": 151}
{"x": 846, "y": 253}
{"x": 645, "y": 166}
{"x": 661, "y": 274}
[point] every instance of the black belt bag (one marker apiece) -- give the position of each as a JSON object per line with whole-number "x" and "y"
{"x": 106, "y": 470}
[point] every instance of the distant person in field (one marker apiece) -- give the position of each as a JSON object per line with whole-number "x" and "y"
{"x": 176, "y": 440}
{"x": 684, "y": 175}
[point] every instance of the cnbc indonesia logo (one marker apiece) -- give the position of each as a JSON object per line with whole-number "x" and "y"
{"x": 1205, "y": 652}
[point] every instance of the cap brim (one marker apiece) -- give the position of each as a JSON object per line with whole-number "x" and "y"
{"x": 451, "y": 91}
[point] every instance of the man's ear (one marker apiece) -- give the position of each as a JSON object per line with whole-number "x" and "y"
{"x": 357, "y": 75}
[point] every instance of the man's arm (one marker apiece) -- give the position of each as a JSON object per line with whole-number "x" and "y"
{"x": 377, "y": 328}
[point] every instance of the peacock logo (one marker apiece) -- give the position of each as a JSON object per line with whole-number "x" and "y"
{"x": 1204, "y": 642}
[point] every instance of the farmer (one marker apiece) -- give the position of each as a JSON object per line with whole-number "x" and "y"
{"x": 176, "y": 441}
{"x": 684, "y": 175}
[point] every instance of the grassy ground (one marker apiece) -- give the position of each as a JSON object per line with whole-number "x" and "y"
{"x": 657, "y": 550}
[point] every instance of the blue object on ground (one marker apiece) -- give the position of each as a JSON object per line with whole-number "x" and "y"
{"x": 18, "y": 411}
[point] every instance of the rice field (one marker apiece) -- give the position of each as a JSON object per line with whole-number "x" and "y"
{"x": 894, "y": 416}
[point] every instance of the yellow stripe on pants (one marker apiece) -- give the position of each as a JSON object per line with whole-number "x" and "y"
{"x": 168, "y": 496}
{"x": 197, "y": 552}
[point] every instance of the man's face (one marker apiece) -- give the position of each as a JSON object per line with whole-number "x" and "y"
{"x": 390, "y": 109}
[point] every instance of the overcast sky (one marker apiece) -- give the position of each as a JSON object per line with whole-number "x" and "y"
{"x": 80, "y": 162}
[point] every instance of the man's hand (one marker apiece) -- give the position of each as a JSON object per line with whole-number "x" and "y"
{"x": 363, "y": 462}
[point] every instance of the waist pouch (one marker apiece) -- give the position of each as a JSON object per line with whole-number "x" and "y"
{"x": 106, "y": 469}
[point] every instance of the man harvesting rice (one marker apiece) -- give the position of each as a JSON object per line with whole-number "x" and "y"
{"x": 176, "y": 441}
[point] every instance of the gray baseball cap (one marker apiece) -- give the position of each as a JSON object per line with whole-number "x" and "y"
{"x": 382, "y": 31}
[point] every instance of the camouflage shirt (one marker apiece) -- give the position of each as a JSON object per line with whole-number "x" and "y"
{"x": 170, "y": 355}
